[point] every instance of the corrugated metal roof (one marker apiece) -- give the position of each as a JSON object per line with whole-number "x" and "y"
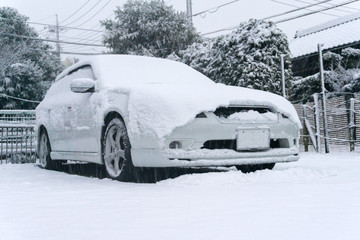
{"x": 342, "y": 31}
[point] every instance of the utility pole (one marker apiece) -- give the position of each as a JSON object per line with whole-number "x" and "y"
{"x": 283, "y": 75}
{"x": 189, "y": 10}
{"x": 57, "y": 31}
{"x": 323, "y": 98}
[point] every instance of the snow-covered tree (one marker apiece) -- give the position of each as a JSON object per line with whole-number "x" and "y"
{"x": 148, "y": 28}
{"x": 303, "y": 88}
{"x": 26, "y": 66}
{"x": 351, "y": 58}
{"x": 248, "y": 57}
{"x": 342, "y": 74}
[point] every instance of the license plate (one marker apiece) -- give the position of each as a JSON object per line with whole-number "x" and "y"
{"x": 252, "y": 139}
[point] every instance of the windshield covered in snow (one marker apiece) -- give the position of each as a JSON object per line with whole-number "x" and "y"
{"x": 121, "y": 70}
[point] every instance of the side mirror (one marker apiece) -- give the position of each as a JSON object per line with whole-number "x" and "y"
{"x": 82, "y": 85}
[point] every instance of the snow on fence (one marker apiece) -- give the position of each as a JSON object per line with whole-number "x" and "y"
{"x": 342, "y": 113}
{"x": 17, "y": 117}
{"x": 17, "y": 136}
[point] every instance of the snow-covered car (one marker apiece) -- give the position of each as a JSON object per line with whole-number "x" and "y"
{"x": 127, "y": 112}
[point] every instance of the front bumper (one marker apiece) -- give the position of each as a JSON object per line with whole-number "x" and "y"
{"x": 207, "y": 158}
{"x": 211, "y": 141}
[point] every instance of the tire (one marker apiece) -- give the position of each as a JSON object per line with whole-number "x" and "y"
{"x": 45, "y": 160}
{"x": 116, "y": 151}
{"x": 255, "y": 167}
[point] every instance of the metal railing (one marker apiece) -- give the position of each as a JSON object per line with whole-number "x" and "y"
{"x": 17, "y": 117}
{"x": 17, "y": 136}
{"x": 17, "y": 144}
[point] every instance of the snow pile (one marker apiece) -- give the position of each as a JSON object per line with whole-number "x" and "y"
{"x": 254, "y": 117}
{"x": 232, "y": 178}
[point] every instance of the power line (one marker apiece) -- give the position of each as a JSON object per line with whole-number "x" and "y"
{"x": 214, "y": 9}
{"x": 75, "y": 11}
{"x": 317, "y": 11}
{"x": 220, "y": 30}
{"x": 52, "y": 25}
{"x": 291, "y": 5}
{"x": 94, "y": 14}
{"x": 83, "y": 39}
{"x": 66, "y": 27}
{"x": 287, "y": 12}
{"x": 79, "y": 53}
{"x": 295, "y": 10}
{"x": 90, "y": 34}
{"x": 76, "y": 47}
{"x": 84, "y": 13}
{"x": 50, "y": 40}
{"x": 276, "y": 15}
{"x": 340, "y": 10}
{"x": 97, "y": 26}
{"x": 66, "y": 52}
{"x": 347, "y": 7}
{"x": 16, "y": 98}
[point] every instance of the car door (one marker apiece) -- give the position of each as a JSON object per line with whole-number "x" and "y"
{"x": 72, "y": 119}
{"x": 82, "y": 136}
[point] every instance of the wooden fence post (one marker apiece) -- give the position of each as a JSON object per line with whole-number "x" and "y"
{"x": 305, "y": 131}
{"x": 317, "y": 122}
{"x": 352, "y": 134}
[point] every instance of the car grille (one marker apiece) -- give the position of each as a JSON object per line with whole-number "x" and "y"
{"x": 225, "y": 112}
{"x": 231, "y": 144}
{"x": 220, "y": 144}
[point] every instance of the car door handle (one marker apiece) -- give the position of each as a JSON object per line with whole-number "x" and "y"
{"x": 69, "y": 107}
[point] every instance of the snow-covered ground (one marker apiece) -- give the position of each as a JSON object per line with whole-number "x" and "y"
{"x": 315, "y": 198}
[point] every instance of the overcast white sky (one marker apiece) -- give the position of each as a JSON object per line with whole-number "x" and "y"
{"x": 44, "y": 11}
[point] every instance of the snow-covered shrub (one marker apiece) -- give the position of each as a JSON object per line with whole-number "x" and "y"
{"x": 149, "y": 28}
{"x": 248, "y": 57}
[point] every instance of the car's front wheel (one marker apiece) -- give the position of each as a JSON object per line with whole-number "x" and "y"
{"x": 116, "y": 151}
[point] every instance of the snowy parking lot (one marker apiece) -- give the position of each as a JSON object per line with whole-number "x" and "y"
{"x": 315, "y": 198}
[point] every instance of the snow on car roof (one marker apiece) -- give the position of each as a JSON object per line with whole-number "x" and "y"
{"x": 334, "y": 33}
{"x": 123, "y": 70}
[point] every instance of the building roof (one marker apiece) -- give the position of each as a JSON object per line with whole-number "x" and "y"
{"x": 336, "y": 33}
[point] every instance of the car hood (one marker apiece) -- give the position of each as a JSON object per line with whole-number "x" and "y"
{"x": 160, "y": 108}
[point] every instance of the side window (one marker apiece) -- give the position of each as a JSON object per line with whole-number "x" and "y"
{"x": 63, "y": 85}
{"x": 82, "y": 72}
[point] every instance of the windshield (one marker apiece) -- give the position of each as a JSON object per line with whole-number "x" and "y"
{"x": 120, "y": 70}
